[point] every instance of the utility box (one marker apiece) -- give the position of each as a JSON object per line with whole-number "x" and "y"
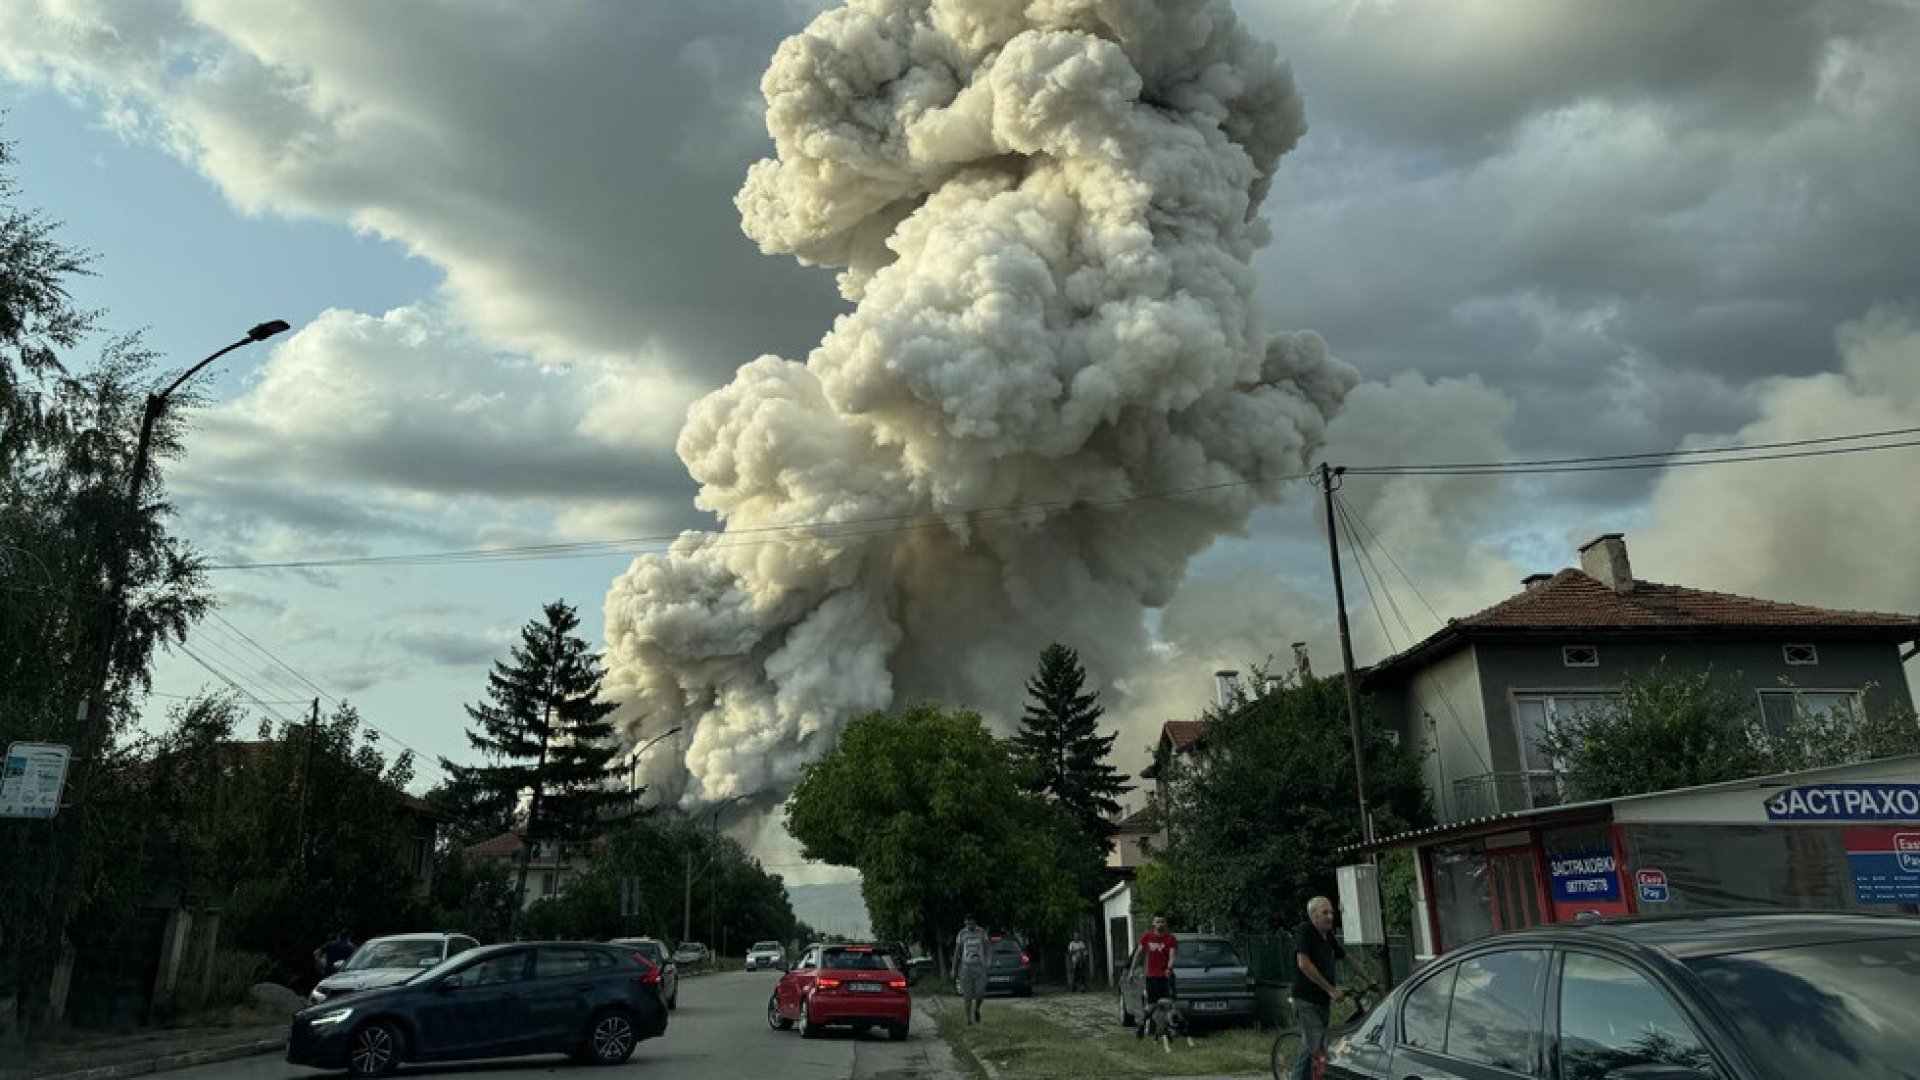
{"x": 1360, "y": 922}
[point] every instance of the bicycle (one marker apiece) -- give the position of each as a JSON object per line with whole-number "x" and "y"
{"x": 1286, "y": 1042}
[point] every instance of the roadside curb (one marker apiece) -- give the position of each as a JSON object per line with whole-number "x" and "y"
{"x": 942, "y": 1057}
{"x": 185, "y": 1059}
{"x": 961, "y": 1054}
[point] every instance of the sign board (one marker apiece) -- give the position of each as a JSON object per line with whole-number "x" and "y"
{"x": 1586, "y": 874}
{"x": 32, "y": 779}
{"x": 1846, "y": 802}
{"x": 1652, "y": 885}
{"x": 1885, "y": 865}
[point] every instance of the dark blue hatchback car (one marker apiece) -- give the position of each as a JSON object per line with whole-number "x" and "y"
{"x": 593, "y": 1002}
{"x": 1778, "y": 996}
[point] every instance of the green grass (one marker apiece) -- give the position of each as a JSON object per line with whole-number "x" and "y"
{"x": 1021, "y": 1045}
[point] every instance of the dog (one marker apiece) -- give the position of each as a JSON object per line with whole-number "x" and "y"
{"x": 1163, "y": 1022}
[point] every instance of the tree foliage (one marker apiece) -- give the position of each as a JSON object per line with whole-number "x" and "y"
{"x": 544, "y": 733}
{"x": 926, "y": 804}
{"x": 1254, "y": 822}
{"x": 1065, "y": 759}
{"x": 68, "y": 429}
{"x": 1669, "y": 728}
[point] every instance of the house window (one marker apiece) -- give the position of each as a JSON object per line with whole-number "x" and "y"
{"x": 1580, "y": 656}
{"x": 1536, "y": 715}
{"x": 1779, "y": 707}
{"x": 549, "y": 883}
{"x": 1801, "y": 655}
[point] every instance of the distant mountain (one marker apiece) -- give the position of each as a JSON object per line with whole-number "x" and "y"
{"x": 831, "y": 909}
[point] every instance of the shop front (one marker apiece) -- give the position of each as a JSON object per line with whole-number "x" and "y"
{"x": 1845, "y": 838}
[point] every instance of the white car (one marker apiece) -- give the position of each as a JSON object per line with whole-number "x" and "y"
{"x": 766, "y": 954}
{"x": 389, "y": 961}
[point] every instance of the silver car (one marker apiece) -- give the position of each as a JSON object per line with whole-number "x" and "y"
{"x": 1211, "y": 985}
{"x": 766, "y": 954}
{"x": 389, "y": 961}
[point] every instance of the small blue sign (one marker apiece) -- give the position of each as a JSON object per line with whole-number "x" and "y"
{"x": 1846, "y": 802}
{"x": 1587, "y": 874}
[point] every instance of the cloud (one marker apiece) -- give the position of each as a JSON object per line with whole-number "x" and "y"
{"x": 450, "y": 647}
{"x": 1827, "y": 531}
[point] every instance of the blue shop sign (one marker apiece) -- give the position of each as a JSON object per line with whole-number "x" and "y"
{"x": 1587, "y": 874}
{"x": 1846, "y": 802}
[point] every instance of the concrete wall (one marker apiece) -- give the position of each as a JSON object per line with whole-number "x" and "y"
{"x": 1441, "y": 716}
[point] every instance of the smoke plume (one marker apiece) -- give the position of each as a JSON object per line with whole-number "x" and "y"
{"x": 1044, "y": 213}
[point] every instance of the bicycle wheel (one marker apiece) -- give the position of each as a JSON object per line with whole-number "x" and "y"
{"x": 1286, "y": 1051}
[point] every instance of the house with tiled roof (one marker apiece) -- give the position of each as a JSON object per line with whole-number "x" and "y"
{"x": 1475, "y": 698}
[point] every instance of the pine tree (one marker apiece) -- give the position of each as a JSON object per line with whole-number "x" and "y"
{"x": 544, "y": 733}
{"x": 1061, "y": 743}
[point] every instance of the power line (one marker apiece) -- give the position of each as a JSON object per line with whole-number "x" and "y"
{"x": 1496, "y": 469}
{"x": 858, "y": 528}
{"x": 1821, "y": 441}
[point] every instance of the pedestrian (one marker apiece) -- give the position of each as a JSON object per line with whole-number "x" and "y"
{"x": 1077, "y": 963}
{"x": 333, "y": 953}
{"x": 970, "y": 952}
{"x": 1315, "y": 951}
{"x": 1157, "y": 949}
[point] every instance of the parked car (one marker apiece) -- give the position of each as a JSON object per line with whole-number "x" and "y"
{"x": 855, "y": 986}
{"x": 1009, "y": 968}
{"x": 656, "y": 953}
{"x": 1211, "y": 985}
{"x": 593, "y": 1002}
{"x": 389, "y": 961}
{"x": 690, "y": 953}
{"x": 766, "y": 954}
{"x": 1781, "y": 996}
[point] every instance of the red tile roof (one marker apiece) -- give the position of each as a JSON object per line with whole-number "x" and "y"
{"x": 1145, "y": 819}
{"x": 1572, "y": 600}
{"x": 1182, "y": 734}
{"x": 505, "y": 844}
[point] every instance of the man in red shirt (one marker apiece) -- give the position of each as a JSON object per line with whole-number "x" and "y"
{"x": 1157, "y": 948}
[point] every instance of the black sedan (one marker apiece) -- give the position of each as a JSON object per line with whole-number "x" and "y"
{"x": 1705, "y": 997}
{"x": 593, "y": 1002}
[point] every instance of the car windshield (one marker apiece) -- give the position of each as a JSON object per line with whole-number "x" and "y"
{"x": 691, "y": 946}
{"x": 766, "y": 946}
{"x": 1838, "y": 1009}
{"x": 1204, "y": 954}
{"x": 651, "y": 950}
{"x": 856, "y": 960}
{"x": 395, "y": 954}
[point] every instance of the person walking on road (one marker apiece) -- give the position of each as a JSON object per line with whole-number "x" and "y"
{"x": 1076, "y": 963}
{"x": 1315, "y": 951}
{"x": 970, "y": 952}
{"x": 1156, "y": 949}
{"x": 334, "y": 953}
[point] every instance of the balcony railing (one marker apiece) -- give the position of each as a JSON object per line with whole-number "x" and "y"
{"x": 1503, "y": 793}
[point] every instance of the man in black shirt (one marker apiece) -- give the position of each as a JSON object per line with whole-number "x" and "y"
{"x": 1315, "y": 950}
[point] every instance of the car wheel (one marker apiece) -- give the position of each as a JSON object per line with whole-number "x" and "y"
{"x": 897, "y": 1032}
{"x": 610, "y": 1037}
{"x": 807, "y": 1028}
{"x": 774, "y": 1019}
{"x": 374, "y": 1050}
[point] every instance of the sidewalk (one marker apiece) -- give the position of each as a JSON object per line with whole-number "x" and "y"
{"x": 150, "y": 1051}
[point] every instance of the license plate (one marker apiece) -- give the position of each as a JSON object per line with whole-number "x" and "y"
{"x": 864, "y": 988}
{"x": 1210, "y": 1006}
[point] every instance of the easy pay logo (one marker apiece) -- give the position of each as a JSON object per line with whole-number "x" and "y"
{"x": 1906, "y": 847}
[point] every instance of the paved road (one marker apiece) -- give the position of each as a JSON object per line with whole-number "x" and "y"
{"x": 719, "y": 1033}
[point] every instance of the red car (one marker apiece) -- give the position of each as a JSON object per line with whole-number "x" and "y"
{"x": 854, "y": 986}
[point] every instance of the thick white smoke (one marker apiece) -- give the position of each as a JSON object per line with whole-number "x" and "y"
{"x": 1044, "y": 212}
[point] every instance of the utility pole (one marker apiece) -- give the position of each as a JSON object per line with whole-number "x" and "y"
{"x": 306, "y": 782}
{"x": 1330, "y": 483}
{"x": 92, "y": 718}
{"x": 686, "y": 917}
{"x": 528, "y": 835}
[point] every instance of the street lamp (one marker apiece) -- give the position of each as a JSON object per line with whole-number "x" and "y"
{"x": 633, "y": 760}
{"x": 686, "y": 920}
{"x": 70, "y": 834}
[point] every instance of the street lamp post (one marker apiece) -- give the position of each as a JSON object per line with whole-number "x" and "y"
{"x": 633, "y": 760}
{"x": 70, "y": 831}
{"x": 686, "y": 919}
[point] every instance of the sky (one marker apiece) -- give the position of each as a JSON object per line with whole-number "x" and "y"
{"x": 505, "y": 235}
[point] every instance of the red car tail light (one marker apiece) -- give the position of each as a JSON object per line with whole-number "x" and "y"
{"x": 1025, "y": 960}
{"x": 897, "y": 984}
{"x": 828, "y": 984}
{"x": 651, "y": 977}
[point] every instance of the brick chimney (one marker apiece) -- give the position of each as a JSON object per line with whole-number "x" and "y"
{"x": 1604, "y": 559}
